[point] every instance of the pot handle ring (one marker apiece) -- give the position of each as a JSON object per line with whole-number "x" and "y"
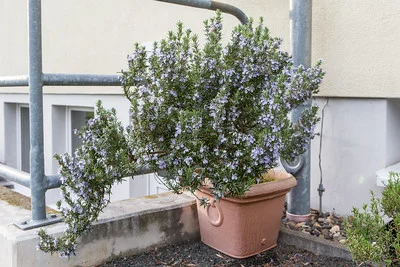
{"x": 220, "y": 218}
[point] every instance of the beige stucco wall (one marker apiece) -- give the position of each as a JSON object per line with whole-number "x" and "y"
{"x": 358, "y": 39}
{"x": 95, "y": 36}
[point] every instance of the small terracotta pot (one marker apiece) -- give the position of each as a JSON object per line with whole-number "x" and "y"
{"x": 245, "y": 227}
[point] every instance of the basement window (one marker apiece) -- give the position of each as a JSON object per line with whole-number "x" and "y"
{"x": 76, "y": 119}
{"x": 65, "y": 119}
{"x": 23, "y": 138}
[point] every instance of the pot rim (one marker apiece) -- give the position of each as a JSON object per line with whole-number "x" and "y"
{"x": 282, "y": 184}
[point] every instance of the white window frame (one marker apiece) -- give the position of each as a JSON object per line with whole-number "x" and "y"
{"x": 68, "y": 125}
{"x": 18, "y": 113}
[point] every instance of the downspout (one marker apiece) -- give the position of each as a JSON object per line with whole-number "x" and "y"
{"x": 212, "y": 5}
{"x": 298, "y": 202}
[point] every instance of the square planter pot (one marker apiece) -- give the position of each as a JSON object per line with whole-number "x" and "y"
{"x": 245, "y": 227}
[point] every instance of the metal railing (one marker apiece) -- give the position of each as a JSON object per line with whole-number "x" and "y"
{"x": 37, "y": 181}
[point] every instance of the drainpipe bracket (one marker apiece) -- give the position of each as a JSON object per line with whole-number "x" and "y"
{"x": 321, "y": 189}
{"x": 31, "y": 224}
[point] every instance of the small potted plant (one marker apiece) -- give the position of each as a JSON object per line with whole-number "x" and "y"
{"x": 214, "y": 121}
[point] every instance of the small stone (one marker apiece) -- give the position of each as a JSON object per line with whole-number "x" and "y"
{"x": 300, "y": 224}
{"x": 321, "y": 220}
{"x": 342, "y": 241}
{"x": 325, "y": 232}
{"x": 306, "y": 227}
{"x": 316, "y": 232}
{"x": 329, "y": 237}
{"x": 336, "y": 235}
{"x": 292, "y": 226}
{"x": 328, "y": 220}
{"x": 335, "y": 229}
{"x": 317, "y": 225}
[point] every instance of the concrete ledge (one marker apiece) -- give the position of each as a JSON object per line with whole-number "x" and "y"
{"x": 125, "y": 227}
{"x": 314, "y": 244}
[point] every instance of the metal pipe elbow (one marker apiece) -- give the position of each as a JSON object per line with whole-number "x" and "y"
{"x": 226, "y": 8}
{"x": 294, "y": 166}
{"x": 212, "y": 5}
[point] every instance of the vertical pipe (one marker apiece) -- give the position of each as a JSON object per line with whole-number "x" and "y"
{"x": 298, "y": 206}
{"x": 38, "y": 182}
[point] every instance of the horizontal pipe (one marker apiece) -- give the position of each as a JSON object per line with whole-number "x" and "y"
{"x": 53, "y": 181}
{"x": 212, "y": 5}
{"x": 14, "y": 175}
{"x": 24, "y": 178}
{"x": 206, "y": 4}
{"x": 17, "y": 80}
{"x": 52, "y": 79}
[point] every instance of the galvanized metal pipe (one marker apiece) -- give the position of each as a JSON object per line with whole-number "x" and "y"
{"x": 38, "y": 181}
{"x": 226, "y": 8}
{"x": 57, "y": 79}
{"x": 298, "y": 206}
{"x": 300, "y": 31}
{"x": 14, "y": 175}
{"x": 54, "y": 79}
{"x": 54, "y": 181}
{"x": 17, "y": 80}
{"x": 212, "y": 5}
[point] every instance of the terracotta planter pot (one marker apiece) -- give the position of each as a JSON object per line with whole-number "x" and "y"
{"x": 245, "y": 227}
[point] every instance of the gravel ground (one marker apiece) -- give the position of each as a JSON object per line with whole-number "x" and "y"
{"x": 198, "y": 254}
{"x": 327, "y": 226}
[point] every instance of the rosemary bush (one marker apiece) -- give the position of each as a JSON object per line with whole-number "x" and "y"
{"x": 87, "y": 178}
{"x": 217, "y": 113}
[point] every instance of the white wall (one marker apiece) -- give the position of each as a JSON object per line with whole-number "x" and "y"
{"x": 360, "y": 137}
